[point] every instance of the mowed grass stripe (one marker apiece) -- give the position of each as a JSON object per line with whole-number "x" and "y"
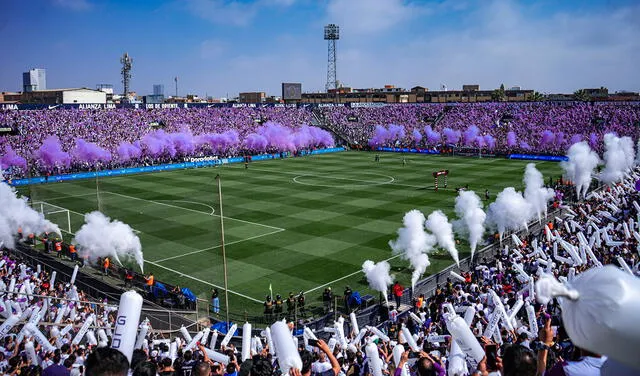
{"x": 329, "y": 231}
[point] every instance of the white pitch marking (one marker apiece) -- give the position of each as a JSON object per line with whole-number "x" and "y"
{"x": 192, "y": 210}
{"x": 201, "y": 281}
{"x": 217, "y": 246}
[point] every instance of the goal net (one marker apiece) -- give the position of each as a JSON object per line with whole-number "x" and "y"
{"x": 56, "y": 214}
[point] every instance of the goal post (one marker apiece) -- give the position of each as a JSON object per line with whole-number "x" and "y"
{"x": 437, "y": 175}
{"x": 56, "y": 214}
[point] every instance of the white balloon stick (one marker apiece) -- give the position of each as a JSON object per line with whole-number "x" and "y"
{"x": 42, "y": 340}
{"x": 409, "y": 338}
{"x": 227, "y": 337}
{"x": 194, "y": 341}
{"x": 457, "y": 276}
{"x": 375, "y": 363}
{"x": 142, "y": 334}
{"x": 377, "y": 332}
{"x": 310, "y": 334}
{"x": 270, "y": 344}
{"x": 83, "y": 330}
{"x": 216, "y": 356}
{"x": 246, "y": 341}
{"x": 31, "y": 353}
{"x": 73, "y": 275}
{"x": 624, "y": 265}
{"x": 501, "y": 310}
{"x": 214, "y": 339}
{"x": 52, "y": 281}
{"x": 66, "y": 330}
{"x": 91, "y": 338}
{"x": 205, "y": 335}
{"x": 398, "y": 350}
{"x": 288, "y": 356}
{"x": 127, "y": 319}
{"x": 469, "y": 314}
{"x": 354, "y": 323}
{"x": 8, "y": 324}
{"x": 185, "y": 334}
{"x": 415, "y": 318}
{"x": 359, "y": 337}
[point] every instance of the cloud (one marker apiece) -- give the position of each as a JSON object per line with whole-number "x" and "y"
{"x": 224, "y": 12}
{"x": 233, "y": 12}
{"x": 366, "y": 16}
{"x": 497, "y": 42}
{"x": 212, "y": 49}
{"x": 77, "y": 5}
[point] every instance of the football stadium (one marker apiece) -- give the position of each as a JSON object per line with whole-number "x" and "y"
{"x": 344, "y": 232}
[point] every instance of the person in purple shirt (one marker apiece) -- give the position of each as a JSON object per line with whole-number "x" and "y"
{"x": 56, "y": 369}
{"x": 427, "y": 365}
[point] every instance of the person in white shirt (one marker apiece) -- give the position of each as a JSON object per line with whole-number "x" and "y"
{"x": 321, "y": 365}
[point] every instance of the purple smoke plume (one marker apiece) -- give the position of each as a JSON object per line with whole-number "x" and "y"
{"x": 380, "y": 136}
{"x": 524, "y": 145}
{"x": 256, "y": 142}
{"x": 452, "y": 136}
{"x": 593, "y": 140}
{"x": 547, "y": 138}
{"x": 490, "y": 142}
{"x": 433, "y": 137}
{"x": 320, "y": 137}
{"x": 471, "y": 135}
{"x": 479, "y": 141}
{"x": 183, "y": 142}
{"x": 219, "y": 142}
{"x": 89, "y": 152}
{"x": 51, "y": 153}
{"x": 278, "y": 137}
{"x": 127, "y": 150}
{"x": 417, "y": 136}
{"x": 396, "y": 132}
{"x": 11, "y": 158}
{"x": 157, "y": 143}
{"x": 575, "y": 139}
{"x": 511, "y": 139}
{"x": 560, "y": 139}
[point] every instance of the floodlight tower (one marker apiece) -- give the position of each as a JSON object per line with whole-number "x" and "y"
{"x": 331, "y": 34}
{"x": 126, "y": 62}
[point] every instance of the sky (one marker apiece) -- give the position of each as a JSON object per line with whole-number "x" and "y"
{"x": 222, "y": 47}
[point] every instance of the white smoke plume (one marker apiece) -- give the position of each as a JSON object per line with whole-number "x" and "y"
{"x": 535, "y": 192}
{"x": 580, "y": 166}
{"x": 378, "y": 276}
{"x": 439, "y": 225}
{"x": 101, "y": 237}
{"x": 16, "y": 213}
{"x": 413, "y": 243}
{"x": 510, "y": 211}
{"x": 619, "y": 157}
{"x": 471, "y": 218}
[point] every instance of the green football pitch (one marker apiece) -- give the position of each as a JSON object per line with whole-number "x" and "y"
{"x": 299, "y": 224}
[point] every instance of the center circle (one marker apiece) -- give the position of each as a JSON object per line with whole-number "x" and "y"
{"x": 349, "y": 182}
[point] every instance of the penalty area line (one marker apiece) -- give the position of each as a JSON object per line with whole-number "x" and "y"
{"x": 218, "y": 246}
{"x": 204, "y": 282}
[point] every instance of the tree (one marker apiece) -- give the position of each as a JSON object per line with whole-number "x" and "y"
{"x": 498, "y": 95}
{"x": 581, "y": 95}
{"x": 537, "y": 97}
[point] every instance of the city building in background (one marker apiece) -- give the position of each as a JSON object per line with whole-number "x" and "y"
{"x": 34, "y": 79}
{"x": 158, "y": 89}
{"x": 252, "y": 97}
{"x": 65, "y": 96}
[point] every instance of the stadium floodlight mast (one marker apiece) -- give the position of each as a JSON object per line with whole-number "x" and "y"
{"x": 331, "y": 34}
{"x": 126, "y": 62}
